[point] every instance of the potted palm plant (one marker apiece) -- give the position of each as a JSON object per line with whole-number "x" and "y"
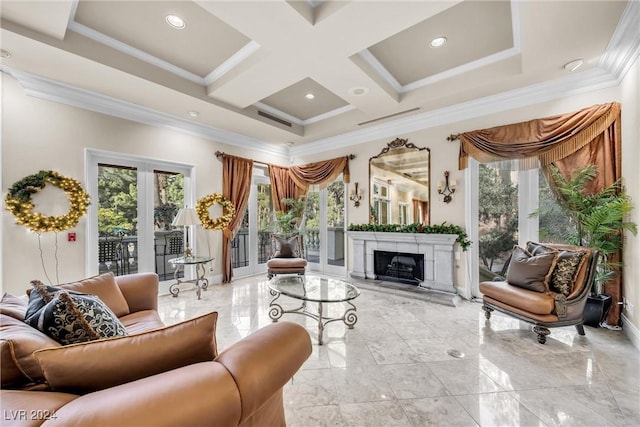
{"x": 599, "y": 221}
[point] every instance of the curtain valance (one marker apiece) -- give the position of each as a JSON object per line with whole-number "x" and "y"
{"x": 294, "y": 181}
{"x": 538, "y": 142}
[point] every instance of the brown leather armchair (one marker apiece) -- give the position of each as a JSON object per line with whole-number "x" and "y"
{"x": 550, "y": 308}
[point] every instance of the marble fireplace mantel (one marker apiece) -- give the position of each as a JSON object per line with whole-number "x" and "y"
{"x": 438, "y": 251}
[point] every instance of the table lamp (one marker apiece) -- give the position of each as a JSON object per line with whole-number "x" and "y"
{"x": 186, "y": 217}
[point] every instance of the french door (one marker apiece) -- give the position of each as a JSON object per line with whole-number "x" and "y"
{"x": 134, "y": 201}
{"x": 324, "y": 229}
{"x": 251, "y": 246}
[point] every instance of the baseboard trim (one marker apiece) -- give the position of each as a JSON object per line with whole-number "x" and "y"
{"x": 631, "y": 331}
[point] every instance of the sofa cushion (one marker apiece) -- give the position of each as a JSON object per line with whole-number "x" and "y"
{"x": 563, "y": 277}
{"x": 523, "y": 299}
{"x": 286, "y": 263}
{"x": 14, "y": 306}
{"x": 142, "y": 321}
{"x": 101, "y": 364}
{"x": 19, "y": 341}
{"x": 70, "y": 317}
{"x": 104, "y": 287}
{"x": 531, "y": 272}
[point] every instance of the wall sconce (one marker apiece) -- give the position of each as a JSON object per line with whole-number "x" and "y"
{"x": 355, "y": 196}
{"x": 448, "y": 189}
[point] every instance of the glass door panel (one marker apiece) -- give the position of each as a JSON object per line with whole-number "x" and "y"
{"x": 335, "y": 224}
{"x": 168, "y": 198}
{"x": 497, "y": 218}
{"x": 117, "y": 219}
{"x": 265, "y": 221}
{"x": 311, "y": 226}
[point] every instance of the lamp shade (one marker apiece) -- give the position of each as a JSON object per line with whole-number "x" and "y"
{"x": 186, "y": 216}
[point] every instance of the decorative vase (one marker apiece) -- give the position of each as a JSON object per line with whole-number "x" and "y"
{"x": 596, "y": 309}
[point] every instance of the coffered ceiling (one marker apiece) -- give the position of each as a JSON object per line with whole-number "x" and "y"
{"x": 302, "y": 73}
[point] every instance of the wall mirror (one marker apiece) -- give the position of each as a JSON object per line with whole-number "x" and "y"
{"x": 399, "y": 184}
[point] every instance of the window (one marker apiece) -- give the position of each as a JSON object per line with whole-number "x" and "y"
{"x": 505, "y": 208}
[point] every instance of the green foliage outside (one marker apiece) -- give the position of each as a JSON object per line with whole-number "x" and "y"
{"x": 118, "y": 200}
{"x": 497, "y": 215}
{"x": 290, "y": 220}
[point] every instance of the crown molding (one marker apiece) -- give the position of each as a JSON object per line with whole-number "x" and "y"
{"x": 50, "y": 90}
{"x": 624, "y": 46}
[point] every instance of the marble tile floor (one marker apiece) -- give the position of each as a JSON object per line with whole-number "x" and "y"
{"x": 411, "y": 362}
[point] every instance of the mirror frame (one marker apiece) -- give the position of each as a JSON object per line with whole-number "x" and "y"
{"x": 399, "y": 143}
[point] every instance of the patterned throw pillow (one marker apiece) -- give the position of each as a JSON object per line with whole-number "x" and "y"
{"x": 564, "y": 274}
{"x": 286, "y": 247}
{"x": 70, "y": 317}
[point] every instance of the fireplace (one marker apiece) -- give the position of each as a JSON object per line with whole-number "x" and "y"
{"x": 436, "y": 251}
{"x": 399, "y": 267}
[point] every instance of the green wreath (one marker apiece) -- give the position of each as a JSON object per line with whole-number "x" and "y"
{"x": 220, "y": 223}
{"x": 18, "y": 202}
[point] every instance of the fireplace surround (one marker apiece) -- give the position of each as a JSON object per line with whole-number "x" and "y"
{"x": 437, "y": 251}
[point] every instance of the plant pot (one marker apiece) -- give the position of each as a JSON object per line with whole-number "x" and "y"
{"x": 596, "y": 309}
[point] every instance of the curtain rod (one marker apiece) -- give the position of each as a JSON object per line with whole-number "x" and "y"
{"x": 220, "y": 154}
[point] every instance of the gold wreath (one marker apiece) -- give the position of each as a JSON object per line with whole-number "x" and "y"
{"x": 220, "y": 223}
{"x": 18, "y": 202}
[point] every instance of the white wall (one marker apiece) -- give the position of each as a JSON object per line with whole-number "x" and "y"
{"x": 630, "y": 90}
{"x": 44, "y": 135}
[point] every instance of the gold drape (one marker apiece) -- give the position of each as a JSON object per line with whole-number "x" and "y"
{"x": 591, "y": 136}
{"x": 282, "y": 186}
{"x": 538, "y": 142}
{"x": 236, "y": 184}
{"x": 294, "y": 181}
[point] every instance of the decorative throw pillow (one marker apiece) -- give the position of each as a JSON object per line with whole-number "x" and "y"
{"x": 531, "y": 272}
{"x": 70, "y": 317}
{"x": 564, "y": 274}
{"x": 286, "y": 247}
{"x": 101, "y": 364}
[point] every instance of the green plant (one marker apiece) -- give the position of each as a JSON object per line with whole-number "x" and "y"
{"x": 443, "y": 228}
{"x": 599, "y": 218}
{"x": 290, "y": 220}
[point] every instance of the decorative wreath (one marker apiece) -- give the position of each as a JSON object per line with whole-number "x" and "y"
{"x": 18, "y": 202}
{"x": 220, "y": 223}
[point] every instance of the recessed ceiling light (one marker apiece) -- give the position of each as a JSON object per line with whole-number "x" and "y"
{"x": 175, "y": 21}
{"x": 310, "y": 96}
{"x": 573, "y": 65}
{"x": 358, "y": 90}
{"x": 5, "y": 54}
{"x": 438, "y": 42}
{"x": 194, "y": 113}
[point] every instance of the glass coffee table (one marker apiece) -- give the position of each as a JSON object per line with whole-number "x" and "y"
{"x": 321, "y": 290}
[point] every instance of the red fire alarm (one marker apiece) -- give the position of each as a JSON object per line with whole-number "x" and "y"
{"x": 71, "y": 236}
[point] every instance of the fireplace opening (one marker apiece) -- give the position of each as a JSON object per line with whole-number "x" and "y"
{"x": 399, "y": 267}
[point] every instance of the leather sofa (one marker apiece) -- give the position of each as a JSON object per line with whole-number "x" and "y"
{"x": 545, "y": 308}
{"x": 151, "y": 377}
